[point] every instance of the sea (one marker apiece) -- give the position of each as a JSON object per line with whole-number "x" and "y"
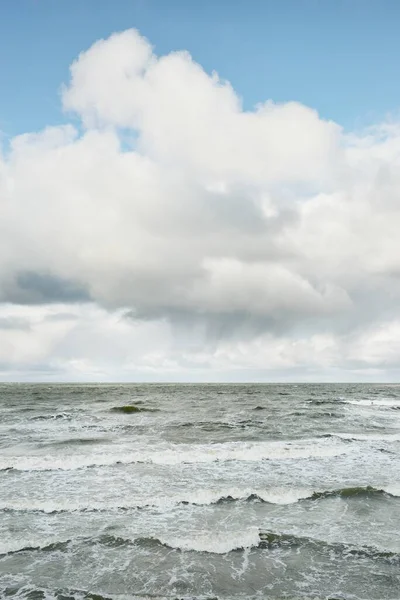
{"x": 210, "y": 491}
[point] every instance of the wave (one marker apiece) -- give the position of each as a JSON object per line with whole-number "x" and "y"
{"x": 377, "y": 402}
{"x": 109, "y": 541}
{"x": 61, "y": 546}
{"x": 352, "y": 492}
{"x": 285, "y": 496}
{"x": 131, "y": 408}
{"x": 273, "y": 496}
{"x": 315, "y": 415}
{"x": 271, "y": 541}
{"x": 218, "y": 543}
{"x": 52, "y": 417}
{"x": 79, "y": 441}
{"x": 125, "y": 409}
{"x": 365, "y": 437}
{"x": 327, "y": 401}
{"x": 292, "y": 496}
{"x": 175, "y": 454}
{"x": 30, "y": 592}
{"x": 213, "y": 426}
{"x": 198, "y": 498}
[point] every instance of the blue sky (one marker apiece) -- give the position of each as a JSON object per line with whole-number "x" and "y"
{"x": 338, "y": 56}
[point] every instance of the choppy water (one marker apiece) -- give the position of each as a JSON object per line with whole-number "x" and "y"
{"x": 227, "y": 491}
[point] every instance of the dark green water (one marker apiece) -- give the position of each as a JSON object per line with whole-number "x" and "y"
{"x": 227, "y": 491}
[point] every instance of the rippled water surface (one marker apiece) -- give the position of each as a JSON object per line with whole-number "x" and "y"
{"x": 200, "y": 491}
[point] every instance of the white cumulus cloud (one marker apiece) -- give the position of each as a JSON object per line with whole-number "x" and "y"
{"x": 184, "y": 235}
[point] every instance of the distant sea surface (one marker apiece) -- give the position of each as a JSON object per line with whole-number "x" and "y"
{"x": 200, "y": 491}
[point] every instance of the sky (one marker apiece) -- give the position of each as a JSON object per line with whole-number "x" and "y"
{"x": 199, "y": 191}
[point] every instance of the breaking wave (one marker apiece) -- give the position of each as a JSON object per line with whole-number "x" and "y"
{"x": 238, "y": 541}
{"x": 275, "y": 496}
{"x": 179, "y": 453}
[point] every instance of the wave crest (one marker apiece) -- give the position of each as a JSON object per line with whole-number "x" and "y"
{"x": 273, "y": 496}
{"x": 252, "y": 539}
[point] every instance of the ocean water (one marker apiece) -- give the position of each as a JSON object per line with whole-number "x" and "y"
{"x": 207, "y": 491}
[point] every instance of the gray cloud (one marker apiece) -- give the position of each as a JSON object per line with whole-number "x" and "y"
{"x": 29, "y": 287}
{"x": 14, "y": 323}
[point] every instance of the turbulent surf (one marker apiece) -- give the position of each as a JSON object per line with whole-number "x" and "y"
{"x": 199, "y": 491}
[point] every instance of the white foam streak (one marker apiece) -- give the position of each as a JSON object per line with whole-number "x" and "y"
{"x": 175, "y": 454}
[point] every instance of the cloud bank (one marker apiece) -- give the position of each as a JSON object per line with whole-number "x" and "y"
{"x": 166, "y": 233}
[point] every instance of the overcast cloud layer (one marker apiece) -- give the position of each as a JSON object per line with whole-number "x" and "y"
{"x": 168, "y": 235}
